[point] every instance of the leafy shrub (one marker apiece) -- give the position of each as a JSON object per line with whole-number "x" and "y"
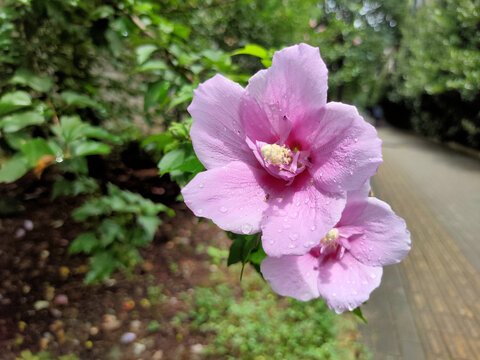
{"x": 436, "y": 74}
{"x": 119, "y": 223}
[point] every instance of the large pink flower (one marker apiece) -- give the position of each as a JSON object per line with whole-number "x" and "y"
{"x": 347, "y": 264}
{"x": 279, "y": 158}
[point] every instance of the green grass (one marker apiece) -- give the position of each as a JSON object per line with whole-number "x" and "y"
{"x": 251, "y": 322}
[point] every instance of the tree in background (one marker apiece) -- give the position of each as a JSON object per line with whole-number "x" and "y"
{"x": 437, "y": 77}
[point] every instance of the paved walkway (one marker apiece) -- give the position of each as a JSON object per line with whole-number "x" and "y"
{"x": 428, "y": 307}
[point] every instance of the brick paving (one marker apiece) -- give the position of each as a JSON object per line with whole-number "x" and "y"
{"x": 428, "y": 307}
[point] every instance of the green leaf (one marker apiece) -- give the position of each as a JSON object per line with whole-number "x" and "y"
{"x": 80, "y": 100}
{"x": 152, "y": 65}
{"x": 181, "y": 31}
{"x": 102, "y": 12}
{"x": 171, "y": 161}
{"x": 102, "y": 265}
{"x": 13, "y": 169}
{"x": 75, "y": 165}
{"x": 267, "y": 63}
{"x": 70, "y": 127}
{"x": 27, "y": 78}
{"x": 358, "y": 313}
{"x": 17, "y": 139}
{"x": 111, "y": 230}
{"x": 149, "y": 224}
{"x": 185, "y": 94}
{"x": 192, "y": 165}
{"x": 19, "y": 120}
{"x": 156, "y": 94}
{"x": 34, "y": 149}
{"x": 153, "y": 326}
{"x": 84, "y": 242}
{"x": 97, "y": 132}
{"x": 143, "y": 52}
{"x": 81, "y": 185}
{"x": 252, "y": 49}
{"x": 89, "y": 209}
{"x": 85, "y": 148}
{"x": 13, "y": 101}
{"x": 241, "y": 248}
{"x": 161, "y": 140}
{"x": 73, "y": 128}
{"x": 257, "y": 256}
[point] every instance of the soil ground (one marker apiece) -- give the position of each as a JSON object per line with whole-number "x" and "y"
{"x": 44, "y": 303}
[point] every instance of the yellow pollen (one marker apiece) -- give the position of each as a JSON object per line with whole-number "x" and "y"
{"x": 276, "y": 154}
{"x": 331, "y": 236}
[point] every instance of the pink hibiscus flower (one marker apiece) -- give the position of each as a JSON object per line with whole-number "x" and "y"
{"x": 279, "y": 158}
{"x": 347, "y": 264}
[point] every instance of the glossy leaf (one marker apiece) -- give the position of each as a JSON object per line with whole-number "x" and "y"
{"x": 143, "y": 52}
{"x": 13, "y": 169}
{"x": 27, "y": 78}
{"x": 19, "y": 120}
{"x": 13, "y": 101}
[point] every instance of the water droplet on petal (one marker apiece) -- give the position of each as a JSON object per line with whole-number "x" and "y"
{"x": 298, "y": 203}
{"x": 200, "y": 211}
{"x": 272, "y": 242}
{"x": 334, "y": 294}
{"x": 223, "y": 209}
{"x": 201, "y": 186}
{"x": 247, "y": 228}
{"x": 313, "y": 228}
{"x": 373, "y": 276}
{"x": 356, "y": 140}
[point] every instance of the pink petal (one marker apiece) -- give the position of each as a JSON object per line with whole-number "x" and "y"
{"x": 295, "y": 85}
{"x": 217, "y": 133}
{"x": 294, "y": 276}
{"x": 384, "y": 240}
{"x": 258, "y": 127}
{"x": 347, "y": 150}
{"x": 347, "y": 283}
{"x": 298, "y": 217}
{"x": 231, "y": 196}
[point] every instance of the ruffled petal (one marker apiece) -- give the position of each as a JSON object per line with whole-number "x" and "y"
{"x": 346, "y": 283}
{"x": 294, "y": 276}
{"x": 293, "y": 87}
{"x": 346, "y": 151}
{"x": 217, "y": 132}
{"x": 298, "y": 217}
{"x": 231, "y": 196}
{"x": 384, "y": 239}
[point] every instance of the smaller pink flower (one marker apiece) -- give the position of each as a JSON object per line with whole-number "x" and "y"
{"x": 347, "y": 265}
